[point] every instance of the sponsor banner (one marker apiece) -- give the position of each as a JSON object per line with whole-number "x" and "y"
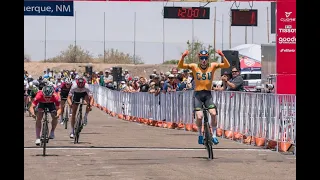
{"x": 252, "y": 0}
{"x": 286, "y": 44}
{"x": 48, "y": 8}
{"x": 132, "y": 0}
{"x": 248, "y": 63}
{"x": 193, "y": 0}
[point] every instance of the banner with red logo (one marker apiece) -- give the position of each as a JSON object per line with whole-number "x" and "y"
{"x": 286, "y": 46}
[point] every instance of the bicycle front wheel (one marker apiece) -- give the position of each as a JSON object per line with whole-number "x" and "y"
{"x": 44, "y": 137}
{"x": 208, "y": 141}
{"x": 77, "y": 127}
{"x": 66, "y": 118}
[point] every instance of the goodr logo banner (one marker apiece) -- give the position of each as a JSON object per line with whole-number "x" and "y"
{"x": 287, "y": 40}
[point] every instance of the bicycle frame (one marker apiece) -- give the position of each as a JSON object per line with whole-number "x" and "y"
{"x": 78, "y": 124}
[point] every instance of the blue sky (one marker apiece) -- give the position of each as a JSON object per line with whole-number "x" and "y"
{"x": 119, "y": 30}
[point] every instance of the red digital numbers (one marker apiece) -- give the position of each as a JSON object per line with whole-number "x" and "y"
{"x": 190, "y": 13}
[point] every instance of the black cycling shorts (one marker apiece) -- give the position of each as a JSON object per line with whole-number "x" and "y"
{"x": 203, "y": 98}
{"x": 77, "y": 96}
{"x": 51, "y": 107}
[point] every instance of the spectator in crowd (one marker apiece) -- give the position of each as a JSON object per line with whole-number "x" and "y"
{"x": 181, "y": 84}
{"x": 108, "y": 78}
{"x": 155, "y": 71}
{"x": 235, "y": 83}
{"x": 135, "y": 84}
{"x": 123, "y": 86}
{"x": 126, "y": 75}
{"x": 101, "y": 79}
{"x": 186, "y": 75}
{"x": 152, "y": 88}
{"x": 170, "y": 85}
{"x": 174, "y": 71}
{"x": 223, "y": 86}
{"x": 144, "y": 87}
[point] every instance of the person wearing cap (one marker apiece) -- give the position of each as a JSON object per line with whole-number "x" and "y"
{"x": 203, "y": 74}
{"x": 123, "y": 86}
{"x": 154, "y": 71}
{"x": 152, "y": 88}
{"x": 126, "y": 75}
{"x": 156, "y": 80}
{"x": 170, "y": 85}
{"x": 108, "y": 78}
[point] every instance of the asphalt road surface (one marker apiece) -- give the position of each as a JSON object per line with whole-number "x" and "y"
{"x": 115, "y": 149}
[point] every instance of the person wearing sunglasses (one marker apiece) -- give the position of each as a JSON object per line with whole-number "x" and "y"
{"x": 45, "y": 99}
{"x": 203, "y": 74}
{"x": 79, "y": 90}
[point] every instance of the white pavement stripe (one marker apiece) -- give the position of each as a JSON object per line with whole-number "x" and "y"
{"x": 146, "y": 149}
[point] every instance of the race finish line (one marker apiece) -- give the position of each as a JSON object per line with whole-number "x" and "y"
{"x": 48, "y": 8}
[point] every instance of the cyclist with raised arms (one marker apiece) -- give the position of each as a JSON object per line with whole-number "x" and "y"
{"x": 79, "y": 89}
{"x": 203, "y": 74}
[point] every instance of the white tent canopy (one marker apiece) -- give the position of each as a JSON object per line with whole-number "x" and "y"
{"x": 252, "y": 51}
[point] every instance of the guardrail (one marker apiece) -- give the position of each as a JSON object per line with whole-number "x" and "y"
{"x": 265, "y": 120}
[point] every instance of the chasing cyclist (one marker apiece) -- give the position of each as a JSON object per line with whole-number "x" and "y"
{"x": 203, "y": 74}
{"x": 79, "y": 89}
{"x": 64, "y": 90}
{"x": 45, "y": 99}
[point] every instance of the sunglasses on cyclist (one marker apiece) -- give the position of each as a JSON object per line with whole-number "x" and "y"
{"x": 203, "y": 58}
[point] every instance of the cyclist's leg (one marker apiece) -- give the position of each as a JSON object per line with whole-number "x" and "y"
{"x": 38, "y": 122}
{"x": 213, "y": 113}
{"x": 62, "y": 102}
{"x": 75, "y": 98}
{"x": 88, "y": 101}
{"x": 54, "y": 122}
{"x": 199, "y": 115}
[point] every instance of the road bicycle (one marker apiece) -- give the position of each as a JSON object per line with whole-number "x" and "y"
{"x": 79, "y": 121}
{"x": 45, "y": 132}
{"x": 65, "y": 116}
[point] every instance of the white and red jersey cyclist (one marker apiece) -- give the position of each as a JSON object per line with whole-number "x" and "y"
{"x": 79, "y": 90}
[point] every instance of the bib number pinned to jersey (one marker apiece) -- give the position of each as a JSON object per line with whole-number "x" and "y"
{"x": 204, "y": 76}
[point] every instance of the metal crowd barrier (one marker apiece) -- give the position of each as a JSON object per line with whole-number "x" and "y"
{"x": 266, "y": 120}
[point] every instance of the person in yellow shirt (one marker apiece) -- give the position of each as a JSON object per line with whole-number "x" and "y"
{"x": 203, "y": 74}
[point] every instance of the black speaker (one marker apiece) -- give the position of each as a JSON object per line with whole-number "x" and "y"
{"x": 233, "y": 58}
{"x": 117, "y": 73}
{"x": 89, "y": 70}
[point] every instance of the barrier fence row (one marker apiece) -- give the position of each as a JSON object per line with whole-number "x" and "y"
{"x": 265, "y": 120}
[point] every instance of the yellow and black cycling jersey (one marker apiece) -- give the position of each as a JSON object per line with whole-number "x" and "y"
{"x": 203, "y": 77}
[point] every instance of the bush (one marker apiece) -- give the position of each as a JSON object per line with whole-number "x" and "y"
{"x": 27, "y": 58}
{"x": 113, "y": 56}
{"x": 195, "y": 49}
{"x": 75, "y": 54}
{"x": 173, "y": 61}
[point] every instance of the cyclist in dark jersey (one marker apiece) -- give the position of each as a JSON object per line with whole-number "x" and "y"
{"x": 64, "y": 91}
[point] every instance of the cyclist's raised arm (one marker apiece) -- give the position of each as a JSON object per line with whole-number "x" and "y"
{"x": 225, "y": 63}
{"x": 181, "y": 63}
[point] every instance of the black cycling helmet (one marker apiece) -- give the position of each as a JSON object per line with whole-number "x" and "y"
{"x": 48, "y": 91}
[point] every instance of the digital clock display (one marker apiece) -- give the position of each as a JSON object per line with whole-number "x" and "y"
{"x": 186, "y": 12}
{"x": 244, "y": 17}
